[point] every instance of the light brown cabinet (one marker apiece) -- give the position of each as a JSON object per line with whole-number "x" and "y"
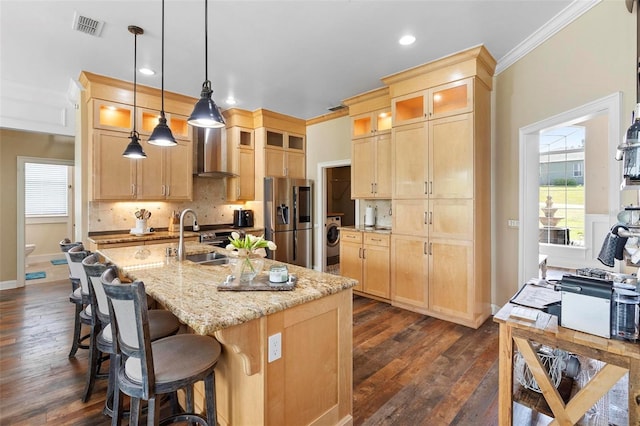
{"x": 434, "y": 159}
{"x": 365, "y": 256}
{"x": 441, "y": 195}
{"x": 350, "y": 256}
{"x": 370, "y": 144}
{"x": 284, "y": 154}
{"x": 163, "y": 175}
{"x": 242, "y": 163}
{"x": 371, "y": 167}
{"x": 446, "y": 265}
{"x": 436, "y": 102}
{"x": 107, "y": 114}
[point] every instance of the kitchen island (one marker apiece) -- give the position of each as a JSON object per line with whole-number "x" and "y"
{"x": 308, "y": 382}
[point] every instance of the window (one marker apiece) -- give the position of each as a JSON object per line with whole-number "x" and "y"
{"x": 577, "y": 169}
{"x": 46, "y": 189}
{"x": 562, "y": 191}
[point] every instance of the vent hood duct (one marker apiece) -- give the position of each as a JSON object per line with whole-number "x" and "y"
{"x": 212, "y": 159}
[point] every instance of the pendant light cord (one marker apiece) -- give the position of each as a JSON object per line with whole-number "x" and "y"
{"x": 206, "y": 40}
{"x": 135, "y": 66}
{"x": 162, "y": 64}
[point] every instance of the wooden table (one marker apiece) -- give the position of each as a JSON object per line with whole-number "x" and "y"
{"x": 620, "y": 357}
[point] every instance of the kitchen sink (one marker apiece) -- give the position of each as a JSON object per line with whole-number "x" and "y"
{"x": 208, "y": 258}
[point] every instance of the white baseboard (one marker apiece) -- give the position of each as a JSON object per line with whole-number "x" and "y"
{"x": 7, "y": 285}
{"x": 495, "y": 309}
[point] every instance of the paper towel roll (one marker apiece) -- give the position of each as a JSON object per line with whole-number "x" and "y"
{"x": 369, "y": 217}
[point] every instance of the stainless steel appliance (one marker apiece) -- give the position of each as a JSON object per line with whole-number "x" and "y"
{"x": 243, "y": 218}
{"x": 288, "y": 219}
{"x": 332, "y": 230}
{"x": 218, "y": 238}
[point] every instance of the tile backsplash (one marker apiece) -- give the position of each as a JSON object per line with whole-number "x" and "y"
{"x": 208, "y": 202}
{"x": 383, "y": 211}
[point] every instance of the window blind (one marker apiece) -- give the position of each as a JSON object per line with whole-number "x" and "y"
{"x": 45, "y": 190}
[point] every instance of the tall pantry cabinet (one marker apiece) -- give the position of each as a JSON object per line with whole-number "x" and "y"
{"x": 441, "y": 192}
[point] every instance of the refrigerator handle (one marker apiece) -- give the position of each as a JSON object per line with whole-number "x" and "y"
{"x": 295, "y": 245}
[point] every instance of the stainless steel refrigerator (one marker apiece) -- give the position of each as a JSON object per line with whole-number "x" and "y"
{"x": 288, "y": 219}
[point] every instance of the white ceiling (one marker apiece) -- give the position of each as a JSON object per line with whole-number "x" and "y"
{"x": 294, "y": 57}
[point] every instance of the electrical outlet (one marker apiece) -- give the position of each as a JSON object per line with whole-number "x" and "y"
{"x": 275, "y": 347}
{"x": 513, "y": 223}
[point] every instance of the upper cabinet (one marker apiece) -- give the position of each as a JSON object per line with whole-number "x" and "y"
{"x": 371, "y": 123}
{"x": 148, "y": 120}
{"x": 436, "y": 102}
{"x": 240, "y": 155}
{"x": 107, "y": 118}
{"x": 280, "y": 145}
{"x": 371, "y": 146}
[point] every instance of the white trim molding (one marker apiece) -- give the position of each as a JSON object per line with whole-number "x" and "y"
{"x": 529, "y": 168}
{"x": 36, "y": 110}
{"x": 566, "y": 16}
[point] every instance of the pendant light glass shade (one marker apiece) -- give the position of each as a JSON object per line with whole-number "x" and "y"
{"x": 134, "y": 149}
{"x": 206, "y": 112}
{"x": 162, "y": 135}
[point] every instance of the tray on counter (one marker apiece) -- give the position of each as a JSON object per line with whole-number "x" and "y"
{"x": 259, "y": 283}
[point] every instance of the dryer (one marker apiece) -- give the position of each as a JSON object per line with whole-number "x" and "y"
{"x": 332, "y": 232}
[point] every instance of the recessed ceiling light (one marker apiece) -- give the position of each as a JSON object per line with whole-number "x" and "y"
{"x": 147, "y": 71}
{"x": 230, "y": 100}
{"x": 407, "y": 40}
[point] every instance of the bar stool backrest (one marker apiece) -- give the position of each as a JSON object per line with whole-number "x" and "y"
{"x": 94, "y": 269}
{"x": 130, "y": 321}
{"x": 75, "y": 256}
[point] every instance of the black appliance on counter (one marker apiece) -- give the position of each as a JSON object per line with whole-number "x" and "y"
{"x": 243, "y": 218}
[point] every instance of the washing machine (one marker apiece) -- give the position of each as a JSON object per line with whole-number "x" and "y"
{"x": 332, "y": 230}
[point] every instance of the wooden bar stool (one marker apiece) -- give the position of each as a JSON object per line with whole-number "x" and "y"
{"x": 147, "y": 370}
{"x": 79, "y": 296}
{"x": 161, "y": 324}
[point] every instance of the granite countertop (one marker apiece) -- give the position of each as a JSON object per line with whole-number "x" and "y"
{"x": 189, "y": 290}
{"x": 376, "y": 230}
{"x": 131, "y": 238}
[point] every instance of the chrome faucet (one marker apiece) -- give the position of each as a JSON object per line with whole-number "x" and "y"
{"x": 181, "y": 251}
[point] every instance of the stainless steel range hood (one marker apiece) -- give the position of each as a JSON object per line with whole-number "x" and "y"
{"x": 211, "y": 154}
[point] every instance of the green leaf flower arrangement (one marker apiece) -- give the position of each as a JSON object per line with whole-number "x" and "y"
{"x": 250, "y": 244}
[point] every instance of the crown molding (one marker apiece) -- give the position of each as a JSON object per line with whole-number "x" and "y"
{"x": 558, "y": 22}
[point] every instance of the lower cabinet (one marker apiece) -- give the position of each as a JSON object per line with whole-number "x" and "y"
{"x": 436, "y": 277}
{"x": 364, "y": 256}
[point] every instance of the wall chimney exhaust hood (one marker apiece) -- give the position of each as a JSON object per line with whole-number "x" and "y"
{"x": 211, "y": 153}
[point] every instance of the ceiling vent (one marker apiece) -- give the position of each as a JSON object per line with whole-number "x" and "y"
{"x": 337, "y": 107}
{"x": 87, "y": 25}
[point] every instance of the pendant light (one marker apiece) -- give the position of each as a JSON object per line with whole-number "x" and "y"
{"x": 206, "y": 112}
{"x": 162, "y": 135}
{"x": 134, "y": 149}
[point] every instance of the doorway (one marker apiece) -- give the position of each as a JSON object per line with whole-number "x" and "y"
{"x": 45, "y": 228}
{"x": 334, "y": 205}
{"x": 595, "y": 225}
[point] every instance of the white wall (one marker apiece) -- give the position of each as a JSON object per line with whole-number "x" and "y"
{"x": 591, "y": 58}
{"x": 327, "y": 142}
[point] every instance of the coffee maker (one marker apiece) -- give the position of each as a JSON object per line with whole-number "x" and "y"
{"x": 243, "y": 218}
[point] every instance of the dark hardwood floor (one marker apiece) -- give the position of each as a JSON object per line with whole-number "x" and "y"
{"x": 408, "y": 369}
